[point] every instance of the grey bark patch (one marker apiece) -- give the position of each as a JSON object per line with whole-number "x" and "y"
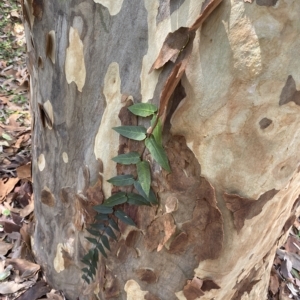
{"x": 289, "y": 92}
{"x": 264, "y": 123}
{"x": 266, "y": 2}
{"x": 166, "y": 8}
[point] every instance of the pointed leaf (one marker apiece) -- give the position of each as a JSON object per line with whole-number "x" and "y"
{"x": 157, "y": 131}
{"x": 110, "y": 233}
{"x": 136, "y": 199}
{"x": 103, "y": 209}
{"x": 158, "y": 153}
{"x": 143, "y": 170}
{"x": 114, "y": 225}
{"x": 118, "y": 198}
{"x": 92, "y": 240}
{"x": 127, "y": 159}
{"x": 121, "y": 180}
{"x": 98, "y": 226}
{"x": 85, "y": 278}
{"x": 101, "y": 249}
{"x": 143, "y": 109}
{"x": 105, "y": 242}
{"x": 101, "y": 217}
{"x": 137, "y": 133}
{"x": 124, "y": 218}
{"x": 152, "y": 198}
{"x": 93, "y": 232}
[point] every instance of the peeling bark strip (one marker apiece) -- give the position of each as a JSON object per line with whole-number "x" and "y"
{"x": 245, "y": 209}
{"x": 177, "y": 48}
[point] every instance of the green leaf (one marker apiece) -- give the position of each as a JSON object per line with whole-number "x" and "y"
{"x": 143, "y": 170}
{"x": 137, "y": 133}
{"x": 143, "y": 109}
{"x": 92, "y": 240}
{"x": 98, "y": 226}
{"x": 158, "y": 153}
{"x": 124, "y": 218}
{"x": 152, "y": 198}
{"x": 103, "y": 209}
{"x": 121, "y": 180}
{"x": 6, "y": 136}
{"x": 118, "y": 198}
{"x": 101, "y": 249}
{"x": 127, "y": 159}
{"x": 114, "y": 225}
{"x": 93, "y": 232}
{"x": 137, "y": 199}
{"x": 85, "y": 278}
{"x": 105, "y": 242}
{"x": 110, "y": 233}
{"x": 101, "y": 217}
{"x": 157, "y": 131}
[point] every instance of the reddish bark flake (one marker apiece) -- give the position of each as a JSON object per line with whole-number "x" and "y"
{"x": 150, "y": 296}
{"x": 207, "y": 9}
{"x": 146, "y": 275}
{"x": 193, "y": 289}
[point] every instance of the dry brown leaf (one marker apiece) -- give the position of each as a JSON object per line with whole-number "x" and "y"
{"x": 5, "y": 247}
{"x": 36, "y": 291}
{"x": 24, "y": 172}
{"x": 6, "y": 186}
{"x": 26, "y": 268}
{"x": 12, "y": 287}
{"x": 28, "y": 209}
{"x": 274, "y": 283}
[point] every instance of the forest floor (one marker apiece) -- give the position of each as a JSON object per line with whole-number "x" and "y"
{"x": 20, "y": 276}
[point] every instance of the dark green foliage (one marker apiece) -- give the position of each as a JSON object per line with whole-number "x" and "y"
{"x": 107, "y": 214}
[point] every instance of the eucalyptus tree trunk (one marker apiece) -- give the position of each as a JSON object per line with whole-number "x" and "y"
{"x": 227, "y": 85}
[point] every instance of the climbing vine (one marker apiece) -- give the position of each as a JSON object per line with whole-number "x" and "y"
{"x": 109, "y": 211}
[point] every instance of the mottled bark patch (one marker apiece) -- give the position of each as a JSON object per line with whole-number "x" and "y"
{"x": 244, "y": 208}
{"x": 111, "y": 285}
{"x": 289, "y": 92}
{"x": 264, "y": 123}
{"x": 47, "y": 197}
{"x": 266, "y": 2}
{"x": 166, "y": 8}
{"x": 245, "y": 285}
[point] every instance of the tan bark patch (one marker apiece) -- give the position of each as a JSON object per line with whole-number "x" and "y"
{"x": 41, "y": 162}
{"x": 58, "y": 262}
{"x": 106, "y": 151}
{"x": 113, "y": 7}
{"x": 49, "y": 110}
{"x": 133, "y": 290}
{"x": 47, "y": 197}
{"x": 65, "y": 157}
{"x": 51, "y": 46}
{"x": 171, "y": 204}
{"x": 244, "y": 208}
{"x": 74, "y": 64}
